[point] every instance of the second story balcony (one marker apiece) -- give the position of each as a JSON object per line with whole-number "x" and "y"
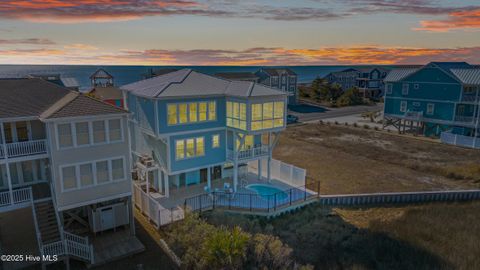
{"x": 464, "y": 119}
{"x": 249, "y": 154}
{"x": 22, "y": 149}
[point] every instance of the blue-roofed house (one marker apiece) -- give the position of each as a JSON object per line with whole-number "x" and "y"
{"x": 440, "y": 99}
{"x": 189, "y": 129}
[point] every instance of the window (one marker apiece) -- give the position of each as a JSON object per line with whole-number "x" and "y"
{"x": 82, "y": 133}
{"x": 102, "y": 172}
{"x": 86, "y": 175}
{"x": 189, "y": 148}
{"x": 430, "y": 108}
{"x": 118, "y": 172}
{"x": 69, "y": 177}
{"x": 403, "y": 106}
{"x": 212, "y": 111}
{"x": 115, "y": 130}
{"x": 405, "y": 87}
{"x": 389, "y": 88}
{"x": 192, "y": 112}
{"x": 216, "y": 141}
{"x": 237, "y": 115}
{"x": 416, "y": 86}
{"x": 65, "y": 135}
{"x": 99, "y": 132}
{"x": 202, "y": 111}
{"x": 182, "y": 110}
{"x": 172, "y": 114}
{"x": 268, "y": 115}
{"x": 248, "y": 143}
{"x": 180, "y": 149}
{"x": 200, "y": 146}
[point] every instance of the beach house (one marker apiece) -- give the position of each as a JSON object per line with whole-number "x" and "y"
{"x": 193, "y": 133}
{"x": 368, "y": 80}
{"x": 280, "y": 78}
{"x": 440, "y": 99}
{"x": 65, "y": 170}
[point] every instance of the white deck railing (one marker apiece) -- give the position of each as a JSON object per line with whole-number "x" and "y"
{"x": 19, "y": 196}
{"x": 469, "y": 98}
{"x": 26, "y": 148}
{"x": 460, "y": 140}
{"x": 72, "y": 245}
{"x": 464, "y": 119}
{"x": 154, "y": 211}
{"x": 254, "y": 152}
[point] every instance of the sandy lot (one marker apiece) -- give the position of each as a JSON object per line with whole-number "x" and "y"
{"x": 357, "y": 160}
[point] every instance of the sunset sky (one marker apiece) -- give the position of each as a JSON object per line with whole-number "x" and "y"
{"x": 239, "y": 32}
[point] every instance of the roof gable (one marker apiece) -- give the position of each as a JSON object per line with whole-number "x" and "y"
{"x": 469, "y": 76}
{"x": 82, "y": 105}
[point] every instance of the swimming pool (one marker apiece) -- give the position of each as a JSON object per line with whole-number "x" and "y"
{"x": 265, "y": 191}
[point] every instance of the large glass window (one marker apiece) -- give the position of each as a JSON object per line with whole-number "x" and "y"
{"x": 65, "y": 135}
{"x": 118, "y": 173}
{"x": 99, "y": 132}
{"x": 212, "y": 111}
{"x": 86, "y": 175}
{"x": 172, "y": 114}
{"x": 192, "y": 112}
{"x": 202, "y": 111}
{"x": 82, "y": 133}
{"x": 182, "y": 110}
{"x": 268, "y": 115}
{"x": 237, "y": 115}
{"x": 180, "y": 149}
{"x": 216, "y": 141}
{"x": 69, "y": 177}
{"x": 248, "y": 143}
{"x": 189, "y": 148}
{"x": 200, "y": 147}
{"x": 102, "y": 172}
{"x": 115, "y": 130}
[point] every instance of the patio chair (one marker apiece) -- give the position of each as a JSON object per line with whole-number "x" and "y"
{"x": 226, "y": 186}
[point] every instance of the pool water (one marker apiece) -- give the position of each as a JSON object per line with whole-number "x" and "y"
{"x": 267, "y": 191}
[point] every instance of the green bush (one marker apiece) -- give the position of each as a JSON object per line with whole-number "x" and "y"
{"x": 349, "y": 98}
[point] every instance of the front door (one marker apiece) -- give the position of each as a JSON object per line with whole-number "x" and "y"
{"x": 217, "y": 172}
{"x": 203, "y": 175}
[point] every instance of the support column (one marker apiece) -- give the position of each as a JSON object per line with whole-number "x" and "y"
{"x": 259, "y": 169}
{"x": 7, "y": 165}
{"x": 235, "y": 175}
{"x": 159, "y": 180}
{"x": 147, "y": 188}
{"x": 167, "y": 187}
{"x": 209, "y": 178}
{"x": 269, "y": 173}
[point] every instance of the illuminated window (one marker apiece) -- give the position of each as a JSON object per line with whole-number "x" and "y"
{"x": 180, "y": 149}
{"x": 237, "y": 115}
{"x": 216, "y": 141}
{"x": 248, "y": 144}
{"x": 268, "y": 115}
{"x": 190, "y": 148}
{"x": 172, "y": 114}
{"x": 202, "y": 109}
{"x": 182, "y": 111}
{"x": 200, "y": 146}
{"x": 212, "y": 111}
{"x": 192, "y": 108}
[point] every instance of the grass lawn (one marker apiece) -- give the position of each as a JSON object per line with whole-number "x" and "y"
{"x": 407, "y": 237}
{"x": 357, "y": 160}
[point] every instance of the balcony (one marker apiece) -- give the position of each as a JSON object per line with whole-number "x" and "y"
{"x": 464, "y": 119}
{"x": 255, "y": 152}
{"x": 21, "y": 149}
{"x": 413, "y": 115}
{"x": 470, "y": 98}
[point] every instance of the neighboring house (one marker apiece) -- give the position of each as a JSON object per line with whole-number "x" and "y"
{"x": 199, "y": 128}
{"x": 103, "y": 88}
{"x": 438, "y": 99}
{"x": 369, "y": 81}
{"x": 281, "y": 78}
{"x": 66, "y": 156}
{"x": 239, "y": 76}
{"x": 157, "y": 72}
{"x": 67, "y": 82}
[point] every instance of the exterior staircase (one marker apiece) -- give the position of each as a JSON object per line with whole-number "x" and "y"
{"x": 48, "y": 226}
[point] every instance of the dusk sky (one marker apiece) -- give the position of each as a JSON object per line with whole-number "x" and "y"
{"x": 236, "y": 32}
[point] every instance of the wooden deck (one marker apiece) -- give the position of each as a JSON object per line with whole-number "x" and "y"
{"x": 110, "y": 246}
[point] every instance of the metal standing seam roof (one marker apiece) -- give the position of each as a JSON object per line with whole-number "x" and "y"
{"x": 468, "y": 76}
{"x": 188, "y": 83}
{"x": 399, "y": 74}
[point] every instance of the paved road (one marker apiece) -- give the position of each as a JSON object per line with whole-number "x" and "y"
{"x": 317, "y": 113}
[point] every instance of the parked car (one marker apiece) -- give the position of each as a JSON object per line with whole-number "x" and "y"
{"x": 292, "y": 119}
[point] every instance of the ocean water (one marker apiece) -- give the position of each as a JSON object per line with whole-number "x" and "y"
{"x": 128, "y": 74}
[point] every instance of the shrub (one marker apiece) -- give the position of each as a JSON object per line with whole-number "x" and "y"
{"x": 366, "y": 126}
{"x": 355, "y": 125}
{"x": 349, "y": 98}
